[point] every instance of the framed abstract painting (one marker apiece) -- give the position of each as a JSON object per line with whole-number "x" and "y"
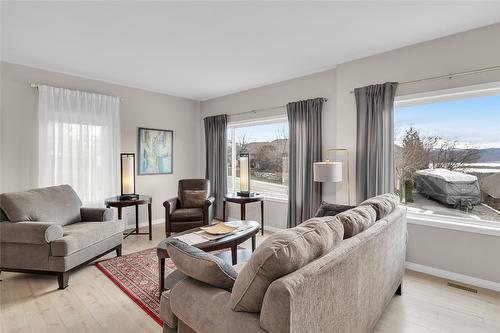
{"x": 155, "y": 151}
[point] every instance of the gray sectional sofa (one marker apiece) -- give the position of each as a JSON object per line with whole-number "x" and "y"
{"x": 345, "y": 286}
{"x": 48, "y": 231}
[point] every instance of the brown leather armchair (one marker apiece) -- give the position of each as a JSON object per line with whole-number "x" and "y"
{"x": 191, "y": 208}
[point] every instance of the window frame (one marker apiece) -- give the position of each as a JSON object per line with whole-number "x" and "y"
{"x": 487, "y": 227}
{"x": 233, "y": 125}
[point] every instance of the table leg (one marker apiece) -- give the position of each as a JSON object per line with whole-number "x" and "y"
{"x": 119, "y": 213}
{"x": 162, "y": 275}
{"x": 224, "y": 211}
{"x": 242, "y": 211}
{"x": 253, "y": 243}
{"x": 262, "y": 217}
{"x": 137, "y": 219}
{"x": 234, "y": 254}
{"x": 150, "y": 222}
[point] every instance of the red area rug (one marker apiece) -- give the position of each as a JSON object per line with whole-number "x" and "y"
{"x": 136, "y": 274}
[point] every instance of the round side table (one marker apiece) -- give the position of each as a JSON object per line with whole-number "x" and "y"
{"x": 119, "y": 203}
{"x": 235, "y": 198}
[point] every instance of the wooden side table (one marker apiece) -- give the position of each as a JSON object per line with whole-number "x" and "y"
{"x": 141, "y": 200}
{"x": 235, "y": 198}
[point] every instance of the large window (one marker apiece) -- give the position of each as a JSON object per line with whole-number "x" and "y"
{"x": 447, "y": 154}
{"x": 267, "y": 144}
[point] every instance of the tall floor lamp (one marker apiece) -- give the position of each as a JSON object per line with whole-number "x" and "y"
{"x": 331, "y": 172}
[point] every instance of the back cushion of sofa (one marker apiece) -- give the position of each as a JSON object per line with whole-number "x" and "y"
{"x": 356, "y": 220}
{"x": 59, "y": 204}
{"x": 383, "y": 204}
{"x": 281, "y": 254}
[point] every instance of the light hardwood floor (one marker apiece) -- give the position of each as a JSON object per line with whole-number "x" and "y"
{"x": 92, "y": 303}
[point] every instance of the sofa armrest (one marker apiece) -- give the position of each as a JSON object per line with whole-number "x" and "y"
{"x": 30, "y": 232}
{"x": 96, "y": 214}
{"x": 170, "y": 205}
{"x": 207, "y": 309}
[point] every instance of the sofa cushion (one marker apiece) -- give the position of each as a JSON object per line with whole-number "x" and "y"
{"x": 383, "y": 204}
{"x": 78, "y": 236}
{"x": 328, "y": 209}
{"x": 200, "y": 265}
{"x": 187, "y": 214}
{"x": 356, "y": 220}
{"x": 59, "y": 204}
{"x": 281, "y": 254}
{"x": 193, "y": 198}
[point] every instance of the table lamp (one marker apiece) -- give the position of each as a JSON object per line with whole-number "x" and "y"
{"x": 331, "y": 172}
{"x": 244, "y": 175}
{"x": 127, "y": 173}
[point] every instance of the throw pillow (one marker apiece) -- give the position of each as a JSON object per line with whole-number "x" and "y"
{"x": 328, "y": 209}
{"x": 201, "y": 266}
{"x": 193, "y": 198}
{"x": 281, "y": 254}
{"x": 356, "y": 220}
{"x": 383, "y": 204}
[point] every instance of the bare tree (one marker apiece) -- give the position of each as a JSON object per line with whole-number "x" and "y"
{"x": 448, "y": 156}
{"x": 242, "y": 143}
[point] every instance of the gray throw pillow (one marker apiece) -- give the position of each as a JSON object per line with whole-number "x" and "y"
{"x": 328, "y": 209}
{"x": 201, "y": 266}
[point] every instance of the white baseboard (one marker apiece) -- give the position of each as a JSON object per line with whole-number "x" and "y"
{"x": 145, "y": 223}
{"x": 473, "y": 281}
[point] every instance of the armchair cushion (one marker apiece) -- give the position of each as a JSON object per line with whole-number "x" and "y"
{"x": 193, "y": 198}
{"x": 187, "y": 214}
{"x": 30, "y": 232}
{"x": 59, "y": 204}
{"x": 96, "y": 214}
{"x": 201, "y": 266}
{"x": 80, "y": 235}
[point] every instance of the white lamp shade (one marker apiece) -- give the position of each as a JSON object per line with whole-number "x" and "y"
{"x": 244, "y": 173}
{"x": 128, "y": 174}
{"x": 328, "y": 172}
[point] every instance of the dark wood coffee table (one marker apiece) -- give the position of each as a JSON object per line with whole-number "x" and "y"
{"x": 229, "y": 242}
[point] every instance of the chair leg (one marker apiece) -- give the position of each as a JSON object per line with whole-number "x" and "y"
{"x": 62, "y": 279}
{"x": 399, "y": 291}
{"x": 119, "y": 250}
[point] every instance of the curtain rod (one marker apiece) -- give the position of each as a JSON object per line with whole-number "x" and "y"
{"x": 264, "y": 109}
{"x": 449, "y": 76}
{"x": 35, "y": 85}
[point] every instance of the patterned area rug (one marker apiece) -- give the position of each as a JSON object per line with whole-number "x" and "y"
{"x": 136, "y": 274}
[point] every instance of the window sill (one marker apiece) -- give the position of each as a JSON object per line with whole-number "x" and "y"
{"x": 454, "y": 223}
{"x": 275, "y": 199}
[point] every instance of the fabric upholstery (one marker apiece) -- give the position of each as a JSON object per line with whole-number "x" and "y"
{"x": 24, "y": 256}
{"x": 383, "y": 204}
{"x": 375, "y": 139}
{"x": 216, "y": 158}
{"x": 356, "y": 220}
{"x": 200, "y": 265}
{"x": 328, "y": 209}
{"x": 193, "y": 198}
{"x": 96, "y": 214}
{"x": 344, "y": 291}
{"x": 206, "y": 309}
{"x": 166, "y": 313}
{"x": 30, "y": 232}
{"x": 305, "y": 148}
{"x": 281, "y": 254}
{"x": 187, "y": 214}
{"x": 59, "y": 204}
{"x": 80, "y": 235}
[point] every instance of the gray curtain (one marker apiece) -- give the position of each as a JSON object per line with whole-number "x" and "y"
{"x": 216, "y": 155}
{"x": 375, "y": 140}
{"x": 305, "y": 146}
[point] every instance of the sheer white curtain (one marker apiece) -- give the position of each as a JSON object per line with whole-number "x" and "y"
{"x": 79, "y": 142}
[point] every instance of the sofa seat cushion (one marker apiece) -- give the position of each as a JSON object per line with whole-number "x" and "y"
{"x": 202, "y": 266}
{"x": 383, "y": 204}
{"x": 356, "y": 220}
{"x": 80, "y": 235}
{"x": 187, "y": 214}
{"x": 281, "y": 254}
{"x": 59, "y": 204}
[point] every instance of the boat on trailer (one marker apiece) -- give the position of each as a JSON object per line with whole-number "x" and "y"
{"x": 449, "y": 187}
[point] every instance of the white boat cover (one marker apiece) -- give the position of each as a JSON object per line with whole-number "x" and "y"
{"x": 447, "y": 175}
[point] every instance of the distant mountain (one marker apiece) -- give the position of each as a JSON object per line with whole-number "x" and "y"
{"x": 489, "y": 155}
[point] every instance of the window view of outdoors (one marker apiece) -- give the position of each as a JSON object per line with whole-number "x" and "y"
{"x": 447, "y": 157}
{"x": 267, "y": 145}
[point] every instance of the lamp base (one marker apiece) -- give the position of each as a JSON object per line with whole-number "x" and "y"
{"x": 129, "y": 196}
{"x": 244, "y": 194}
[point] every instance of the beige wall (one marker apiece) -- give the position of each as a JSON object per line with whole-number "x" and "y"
{"x": 138, "y": 108}
{"x": 462, "y": 52}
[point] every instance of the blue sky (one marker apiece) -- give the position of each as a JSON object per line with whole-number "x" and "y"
{"x": 264, "y": 132}
{"x": 473, "y": 122}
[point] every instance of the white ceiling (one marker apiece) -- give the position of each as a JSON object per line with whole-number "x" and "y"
{"x": 201, "y": 50}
